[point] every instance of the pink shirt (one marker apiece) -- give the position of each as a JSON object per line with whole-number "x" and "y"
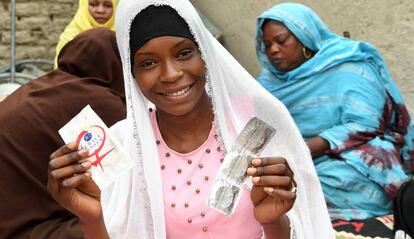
{"x": 187, "y": 179}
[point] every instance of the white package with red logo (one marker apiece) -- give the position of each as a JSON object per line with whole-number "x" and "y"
{"x": 107, "y": 156}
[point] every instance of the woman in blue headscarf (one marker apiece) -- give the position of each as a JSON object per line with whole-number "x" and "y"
{"x": 345, "y": 104}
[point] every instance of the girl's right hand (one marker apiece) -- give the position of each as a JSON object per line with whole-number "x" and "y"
{"x": 71, "y": 184}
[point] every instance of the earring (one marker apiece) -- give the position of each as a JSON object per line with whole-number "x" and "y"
{"x": 305, "y": 54}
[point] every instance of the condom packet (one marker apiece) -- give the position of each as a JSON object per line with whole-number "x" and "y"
{"x": 231, "y": 178}
{"x": 108, "y": 158}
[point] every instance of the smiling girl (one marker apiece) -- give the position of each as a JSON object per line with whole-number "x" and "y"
{"x": 186, "y": 103}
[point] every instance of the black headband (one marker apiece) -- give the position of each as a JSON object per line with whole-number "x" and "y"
{"x": 156, "y": 21}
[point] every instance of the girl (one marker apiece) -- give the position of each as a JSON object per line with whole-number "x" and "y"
{"x": 187, "y": 99}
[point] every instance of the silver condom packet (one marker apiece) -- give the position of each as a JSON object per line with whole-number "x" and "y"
{"x": 231, "y": 178}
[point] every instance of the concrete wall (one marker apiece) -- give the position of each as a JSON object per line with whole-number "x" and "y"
{"x": 388, "y": 24}
{"x": 38, "y": 26}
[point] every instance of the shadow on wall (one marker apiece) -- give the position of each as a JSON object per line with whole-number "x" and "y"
{"x": 210, "y": 26}
{"x": 5, "y": 4}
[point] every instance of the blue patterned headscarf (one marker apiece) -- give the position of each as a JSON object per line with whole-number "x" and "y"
{"x": 331, "y": 49}
{"x": 345, "y": 95}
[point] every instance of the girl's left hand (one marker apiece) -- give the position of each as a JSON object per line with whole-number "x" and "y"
{"x": 274, "y": 190}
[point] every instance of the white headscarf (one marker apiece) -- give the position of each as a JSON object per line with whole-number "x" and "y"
{"x": 133, "y": 206}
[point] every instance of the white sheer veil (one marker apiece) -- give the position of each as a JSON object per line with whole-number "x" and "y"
{"x": 133, "y": 205}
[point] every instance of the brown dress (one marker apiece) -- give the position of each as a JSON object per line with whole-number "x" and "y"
{"x": 90, "y": 72}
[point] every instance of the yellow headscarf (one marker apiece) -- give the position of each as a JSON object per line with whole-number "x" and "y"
{"x": 82, "y": 22}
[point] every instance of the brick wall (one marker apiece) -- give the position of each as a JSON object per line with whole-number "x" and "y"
{"x": 38, "y": 26}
